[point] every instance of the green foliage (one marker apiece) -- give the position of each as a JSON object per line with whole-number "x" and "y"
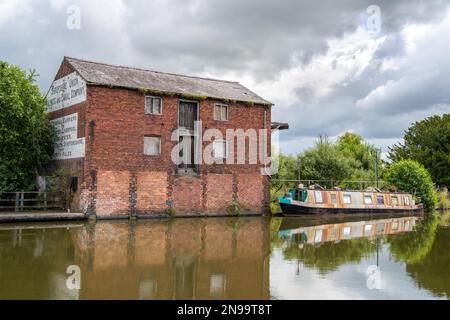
{"x": 59, "y": 187}
{"x": 350, "y": 159}
{"x": 443, "y": 199}
{"x": 325, "y": 161}
{"x": 412, "y": 247}
{"x": 26, "y": 135}
{"x": 329, "y": 256}
{"x": 428, "y": 142}
{"x": 410, "y": 176}
{"x": 171, "y": 212}
{"x": 235, "y": 208}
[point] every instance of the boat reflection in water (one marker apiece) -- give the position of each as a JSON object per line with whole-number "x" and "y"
{"x": 294, "y": 229}
{"x": 227, "y": 258}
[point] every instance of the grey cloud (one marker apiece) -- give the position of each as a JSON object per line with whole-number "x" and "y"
{"x": 256, "y": 38}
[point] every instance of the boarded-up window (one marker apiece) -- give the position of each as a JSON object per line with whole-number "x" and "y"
{"x": 221, "y": 112}
{"x": 153, "y": 105}
{"x": 152, "y": 146}
{"x": 220, "y": 149}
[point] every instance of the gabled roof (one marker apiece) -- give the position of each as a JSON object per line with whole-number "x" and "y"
{"x": 132, "y": 78}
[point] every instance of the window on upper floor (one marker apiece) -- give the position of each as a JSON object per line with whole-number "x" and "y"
{"x": 153, "y": 105}
{"x": 220, "y": 112}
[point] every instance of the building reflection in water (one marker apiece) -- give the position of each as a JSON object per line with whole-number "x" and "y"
{"x": 181, "y": 259}
{"x": 220, "y": 258}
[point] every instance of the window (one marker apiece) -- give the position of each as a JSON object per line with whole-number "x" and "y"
{"x": 221, "y": 112}
{"x": 347, "y": 199}
{"x": 333, "y": 233}
{"x": 367, "y": 229}
{"x": 407, "y": 202}
{"x": 318, "y": 196}
{"x": 333, "y": 198}
{"x": 220, "y": 149}
{"x": 394, "y": 225}
{"x": 217, "y": 284}
{"x": 318, "y": 235}
{"x": 380, "y": 199}
{"x": 347, "y": 231}
{"x": 152, "y": 146}
{"x": 367, "y": 199}
{"x": 394, "y": 201}
{"x": 153, "y": 105}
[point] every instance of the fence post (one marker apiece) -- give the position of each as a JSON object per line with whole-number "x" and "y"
{"x": 16, "y": 202}
{"x": 22, "y": 198}
{"x": 45, "y": 200}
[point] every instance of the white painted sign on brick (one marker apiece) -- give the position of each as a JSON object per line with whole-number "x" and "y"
{"x": 68, "y": 145}
{"x": 66, "y": 92}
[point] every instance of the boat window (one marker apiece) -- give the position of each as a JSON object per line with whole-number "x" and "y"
{"x": 407, "y": 202}
{"x": 367, "y": 229}
{"x": 318, "y": 196}
{"x": 380, "y": 199}
{"x": 380, "y": 228}
{"x": 368, "y": 199}
{"x": 347, "y": 231}
{"x": 333, "y": 233}
{"x": 333, "y": 198}
{"x": 394, "y": 225}
{"x": 394, "y": 201}
{"x": 318, "y": 235}
{"x": 347, "y": 199}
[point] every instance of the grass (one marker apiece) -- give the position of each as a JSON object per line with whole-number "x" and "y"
{"x": 443, "y": 199}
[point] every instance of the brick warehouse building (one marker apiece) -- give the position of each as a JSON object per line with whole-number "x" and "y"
{"x": 115, "y": 128}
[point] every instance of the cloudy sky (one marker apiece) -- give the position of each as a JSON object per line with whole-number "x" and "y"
{"x": 328, "y": 66}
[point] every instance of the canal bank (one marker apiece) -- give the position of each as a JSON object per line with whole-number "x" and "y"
{"x": 11, "y": 217}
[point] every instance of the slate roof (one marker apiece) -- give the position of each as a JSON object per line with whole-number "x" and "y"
{"x": 133, "y": 78}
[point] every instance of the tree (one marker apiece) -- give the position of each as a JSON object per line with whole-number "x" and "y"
{"x": 410, "y": 176}
{"x": 428, "y": 142}
{"x": 325, "y": 162}
{"x": 26, "y": 135}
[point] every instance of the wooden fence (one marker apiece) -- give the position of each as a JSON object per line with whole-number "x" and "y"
{"x": 30, "y": 201}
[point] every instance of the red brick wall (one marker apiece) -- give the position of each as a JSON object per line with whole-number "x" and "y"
{"x": 219, "y": 192}
{"x": 112, "y": 193}
{"x": 151, "y": 191}
{"x": 114, "y": 124}
{"x": 72, "y": 167}
{"x": 187, "y": 195}
{"x": 250, "y": 191}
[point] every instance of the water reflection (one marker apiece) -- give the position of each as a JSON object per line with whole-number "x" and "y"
{"x": 252, "y": 258}
{"x": 181, "y": 259}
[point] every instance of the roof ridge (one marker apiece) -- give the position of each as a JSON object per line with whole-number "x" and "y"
{"x": 155, "y": 71}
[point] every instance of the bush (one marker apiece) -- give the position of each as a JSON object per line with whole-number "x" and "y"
{"x": 410, "y": 176}
{"x": 443, "y": 199}
{"x": 26, "y": 135}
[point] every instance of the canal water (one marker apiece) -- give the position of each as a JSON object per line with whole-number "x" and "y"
{"x": 228, "y": 258}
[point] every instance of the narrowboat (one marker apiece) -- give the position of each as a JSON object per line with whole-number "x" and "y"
{"x": 314, "y": 200}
